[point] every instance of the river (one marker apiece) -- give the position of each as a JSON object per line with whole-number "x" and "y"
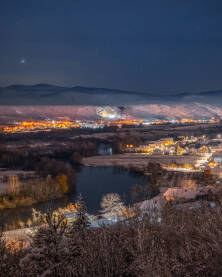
{"x": 92, "y": 184}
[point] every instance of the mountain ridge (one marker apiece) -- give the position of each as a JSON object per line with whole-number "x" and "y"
{"x": 147, "y": 112}
{"x": 47, "y": 94}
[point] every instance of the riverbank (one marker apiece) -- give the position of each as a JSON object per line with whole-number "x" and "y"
{"x": 136, "y": 160}
{"x": 180, "y": 198}
{"x": 92, "y": 183}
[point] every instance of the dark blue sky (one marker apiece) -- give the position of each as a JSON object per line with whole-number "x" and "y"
{"x": 152, "y": 45}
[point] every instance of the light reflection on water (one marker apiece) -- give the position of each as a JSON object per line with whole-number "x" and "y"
{"x": 92, "y": 183}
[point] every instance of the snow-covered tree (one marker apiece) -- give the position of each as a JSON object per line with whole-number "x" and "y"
{"x": 81, "y": 214}
{"x": 111, "y": 203}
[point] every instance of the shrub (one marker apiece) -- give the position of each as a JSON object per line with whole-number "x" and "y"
{"x": 184, "y": 243}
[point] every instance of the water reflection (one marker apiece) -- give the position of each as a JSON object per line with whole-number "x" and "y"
{"x": 12, "y": 218}
{"x": 105, "y": 149}
{"x": 92, "y": 183}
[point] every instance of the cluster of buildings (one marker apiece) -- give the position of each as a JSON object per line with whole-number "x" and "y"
{"x": 28, "y": 126}
{"x": 164, "y": 146}
{"x": 184, "y": 154}
{"x": 186, "y": 120}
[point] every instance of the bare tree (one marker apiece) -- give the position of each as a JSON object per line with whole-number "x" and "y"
{"x": 112, "y": 204}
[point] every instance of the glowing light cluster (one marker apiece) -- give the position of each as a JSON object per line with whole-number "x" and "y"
{"x": 108, "y": 112}
{"x": 39, "y": 125}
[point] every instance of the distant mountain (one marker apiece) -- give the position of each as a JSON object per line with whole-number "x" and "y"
{"x": 49, "y": 101}
{"x": 147, "y": 111}
{"x": 46, "y": 94}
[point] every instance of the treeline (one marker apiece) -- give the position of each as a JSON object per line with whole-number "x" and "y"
{"x": 182, "y": 243}
{"x": 122, "y": 139}
{"x": 74, "y": 151}
{"x": 54, "y": 135}
{"x": 55, "y": 172}
{"x": 29, "y": 159}
{"x": 151, "y": 188}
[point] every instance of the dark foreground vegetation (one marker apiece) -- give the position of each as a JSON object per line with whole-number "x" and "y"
{"x": 184, "y": 243}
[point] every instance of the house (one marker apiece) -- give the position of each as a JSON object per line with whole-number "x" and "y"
{"x": 212, "y": 164}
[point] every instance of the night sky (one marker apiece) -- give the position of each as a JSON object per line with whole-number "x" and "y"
{"x": 151, "y": 46}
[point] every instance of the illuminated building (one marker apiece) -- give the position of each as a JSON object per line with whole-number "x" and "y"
{"x": 203, "y": 149}
{"x": 168, "y": 142}
{"x": 212, "y": 164}
{"x": 108, "y": 112}
{"x": 180, "y": 150}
